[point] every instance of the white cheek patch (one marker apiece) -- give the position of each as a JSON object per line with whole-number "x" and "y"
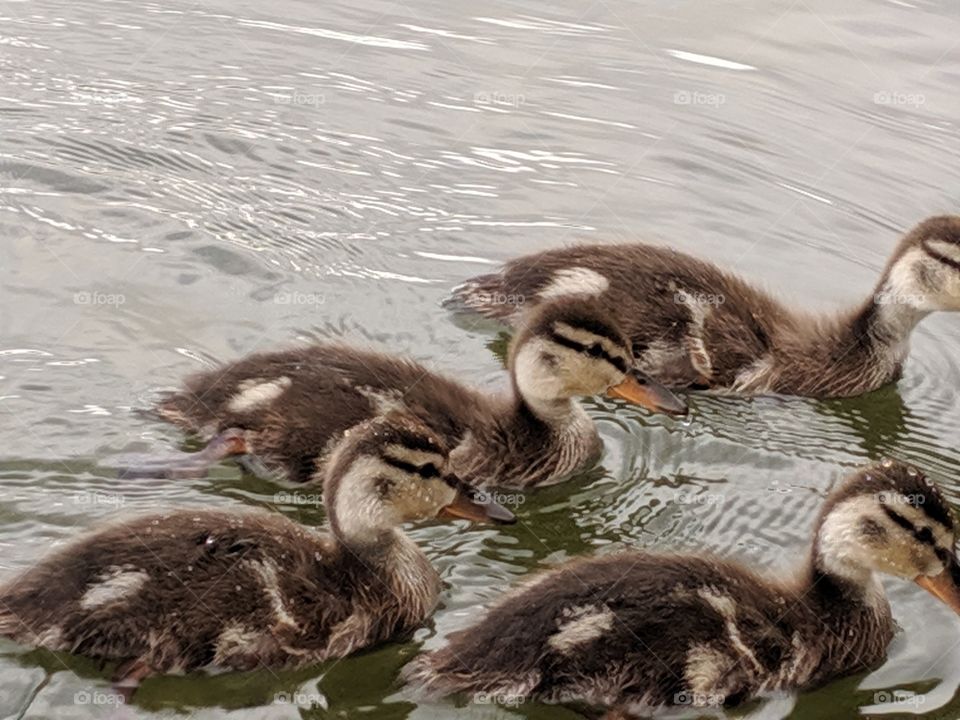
{"x": 257, "y": 393}
{"x": 582, "y": 624}
{"x": 359, "y": 512}
{"x": 115, "y": 584}
{"x": 575, "y": 281}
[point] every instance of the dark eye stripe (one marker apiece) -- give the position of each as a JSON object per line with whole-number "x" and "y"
{"x": 425, "y": 471}
{"x": 924, "y": 535}
{"x": 939, "y": 256}
{"x": 595, "y": 350}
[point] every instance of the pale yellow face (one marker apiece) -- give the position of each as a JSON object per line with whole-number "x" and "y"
{"x": 569, "y": 362}
{"x": 883, "y": 533}
{"x": 418, "y": 493}
{"x": 922, "y": 281}
{"x": 379, "y": 492}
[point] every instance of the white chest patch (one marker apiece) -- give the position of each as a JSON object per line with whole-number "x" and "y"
{"x": 116, "y": 583}
{"x": 580, "y": 625}
{"x": 256, "y": 392}
{"x": 575, "y": 281}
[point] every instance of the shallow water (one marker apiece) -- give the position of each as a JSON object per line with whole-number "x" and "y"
{"x": 186, "y": 182}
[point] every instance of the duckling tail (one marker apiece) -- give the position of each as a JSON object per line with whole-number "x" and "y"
{"x": 441, "y": 673}
{"x": 483, "y": 295}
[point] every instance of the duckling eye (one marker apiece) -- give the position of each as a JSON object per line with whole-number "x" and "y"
{"x": 429, "y": 471}
{"x": 595, "y": 350}
{"x": 925, "y": 536}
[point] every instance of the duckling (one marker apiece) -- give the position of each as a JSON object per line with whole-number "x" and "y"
{"x": 698, "y": 327}
{"x": 199, "y": 589}
{"x": 641, "y": 630}
{"x": 288, "y": 408}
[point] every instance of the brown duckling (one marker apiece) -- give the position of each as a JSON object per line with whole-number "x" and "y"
{"x": 640, "y": 630}
{"x": 199, "y": 588}
{"x": 696, "y": 326}
{"x": 288, "y": 408}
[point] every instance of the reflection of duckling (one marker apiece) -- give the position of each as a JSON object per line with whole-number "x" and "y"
{"x": 640, "y": 630}
{"x": 202, "y": 588}
{"x": 286, "y": 407}
{"x": 695, "y": 326}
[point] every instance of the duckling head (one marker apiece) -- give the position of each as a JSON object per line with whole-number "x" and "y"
{"x": 392, "y": 470}
{"x": 924, "y": 272}
{"x": 570, "y": 348}
{"x": 890, "y": 518}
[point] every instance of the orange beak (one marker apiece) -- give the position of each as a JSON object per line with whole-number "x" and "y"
{"x": 945, "y": 586}
{"x": 643, "y": 391}
{"x": 472, "y": 504}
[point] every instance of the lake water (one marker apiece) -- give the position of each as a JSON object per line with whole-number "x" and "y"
{"x": 183, "y": 182}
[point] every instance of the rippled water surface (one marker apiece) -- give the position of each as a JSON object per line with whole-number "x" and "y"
{"x": 183, "y": 182}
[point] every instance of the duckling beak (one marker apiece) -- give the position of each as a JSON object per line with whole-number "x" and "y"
{"x": 641, "y": 390}
{"x": 945, "y": 586}
{"x": 472, "y": 504}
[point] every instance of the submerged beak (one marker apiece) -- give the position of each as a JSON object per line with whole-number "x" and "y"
{"x": 472, "y": 504}
{"x": 945, "y": 586}
{"x": 641, "y": 390}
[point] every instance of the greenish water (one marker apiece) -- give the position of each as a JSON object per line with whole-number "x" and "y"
{"x": 185, "y": 182}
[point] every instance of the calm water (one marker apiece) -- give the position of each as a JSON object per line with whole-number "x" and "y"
{"x": 186, "y": 182}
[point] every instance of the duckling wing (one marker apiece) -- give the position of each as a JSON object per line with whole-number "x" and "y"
{"x": 178, "y": 591}
{"x": 294, "y": 405}
{"x": 630, "y": 628}
{"x": 692, "y": 325}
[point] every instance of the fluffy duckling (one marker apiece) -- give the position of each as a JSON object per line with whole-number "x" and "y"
{"x": 199, "y": 588}
{"x": 288, "y": 408}
{"x": 640, "y": 630}
{"x": 695, "y": 326}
